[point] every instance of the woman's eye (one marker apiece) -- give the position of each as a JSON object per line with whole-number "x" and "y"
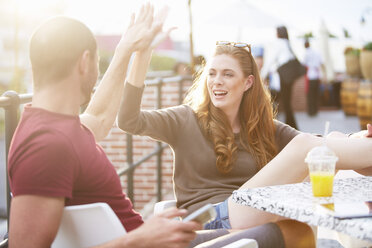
{"x": 211, "y": 74}
{"x": 228, "y": 74}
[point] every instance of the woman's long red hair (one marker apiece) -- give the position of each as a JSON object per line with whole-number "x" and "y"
{"x": 257, "y": 131}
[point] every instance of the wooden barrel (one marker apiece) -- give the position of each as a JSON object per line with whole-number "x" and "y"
{"x": 364, "y": 104}
{"x": 352, "y": 65}
{"x": 349, "y": 95}
{"x": 366, "y": 64}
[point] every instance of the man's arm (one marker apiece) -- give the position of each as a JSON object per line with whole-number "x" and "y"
{"x": 160, "y": 231}
{"x": 102, "y": 110}
{"x": 35, "y": 219}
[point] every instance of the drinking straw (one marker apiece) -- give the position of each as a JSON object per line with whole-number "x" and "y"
{"x": 326, "y": 128}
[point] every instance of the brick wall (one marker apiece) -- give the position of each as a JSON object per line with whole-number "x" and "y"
{"x": 145, "y": 175}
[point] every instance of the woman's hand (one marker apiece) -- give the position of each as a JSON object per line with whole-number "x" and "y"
{"x": 159, "y": 20}
{"x": 364, "y": 133}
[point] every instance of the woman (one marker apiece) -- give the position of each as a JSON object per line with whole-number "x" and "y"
{"x": 224, "y": 138}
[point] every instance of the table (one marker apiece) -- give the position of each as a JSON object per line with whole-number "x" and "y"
{"x": 295, "y": 201}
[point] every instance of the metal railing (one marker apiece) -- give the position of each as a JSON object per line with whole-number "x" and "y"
{"x": 10, "y": 101}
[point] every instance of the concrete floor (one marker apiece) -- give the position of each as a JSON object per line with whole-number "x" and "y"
{"x": 315, "y": 124}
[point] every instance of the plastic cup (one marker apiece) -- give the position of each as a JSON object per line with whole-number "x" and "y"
{"x": 321, "y": 162}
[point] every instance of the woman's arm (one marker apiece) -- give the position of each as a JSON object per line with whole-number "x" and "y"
{"x": 164, "y": 124}
{"x": 141, "y": 62}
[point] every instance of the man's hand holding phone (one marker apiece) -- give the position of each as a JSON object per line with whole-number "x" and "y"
{"x": 203, "y": 215}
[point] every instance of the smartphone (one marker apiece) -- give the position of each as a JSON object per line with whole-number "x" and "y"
{"x": 203, "y": 215}
{"x": 348, "y": 210}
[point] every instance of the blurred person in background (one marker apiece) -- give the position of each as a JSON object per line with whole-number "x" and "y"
{"x": 314, "y": 75}
{"x": 272, "y": 80}
{"x": 258, "y": 55}
{"x": 281, "y": 54}
{"x": 181, "y": 69}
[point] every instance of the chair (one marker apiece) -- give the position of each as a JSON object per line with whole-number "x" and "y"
{"x": 85, "y": 226}
{"x": 88, "y": 225}
{"x": 4, "y": 243}
{"x": 162, "y": 205}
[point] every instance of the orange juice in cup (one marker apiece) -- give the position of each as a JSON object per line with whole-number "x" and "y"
{"x": 322, "y": 183}
{"x": 322, "y": 162}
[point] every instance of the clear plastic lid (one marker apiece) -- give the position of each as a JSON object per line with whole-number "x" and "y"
{"x": 321, "y": 154}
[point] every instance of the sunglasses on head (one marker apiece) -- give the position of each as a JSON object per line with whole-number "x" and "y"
{"x": 234, "y": 44}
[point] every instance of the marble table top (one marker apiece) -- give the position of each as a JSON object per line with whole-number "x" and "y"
{"x": 295, "y": 201}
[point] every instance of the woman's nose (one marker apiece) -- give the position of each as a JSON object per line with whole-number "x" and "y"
{"x": 218, "y": 79}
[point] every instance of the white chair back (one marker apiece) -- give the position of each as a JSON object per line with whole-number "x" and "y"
{"x": 162, "y": 205}
{"x": 88, "y": 225}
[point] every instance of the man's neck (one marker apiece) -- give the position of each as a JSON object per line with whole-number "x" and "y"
{"x": 60, "y": 97}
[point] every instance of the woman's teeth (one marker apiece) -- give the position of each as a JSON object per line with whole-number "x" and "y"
{"x": 219, "y": 92}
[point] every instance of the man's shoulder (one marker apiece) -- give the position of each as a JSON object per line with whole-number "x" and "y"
{"x": 41, "y": 135}
{"x": 42, "y": 129}
{"x": 40, "y": 140}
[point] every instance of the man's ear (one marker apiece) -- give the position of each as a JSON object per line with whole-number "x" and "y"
{"x": 249, "y": 81}
{"x": 84, "y": 62}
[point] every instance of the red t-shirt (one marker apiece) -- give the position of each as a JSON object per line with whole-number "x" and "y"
{"x": 54, "y": 155}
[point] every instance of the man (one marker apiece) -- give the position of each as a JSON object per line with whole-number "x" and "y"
{"x": 54, "y": 160}
{"x": 315, "y": 72}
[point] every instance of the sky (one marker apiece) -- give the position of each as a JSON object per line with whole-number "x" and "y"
{"x": 250, "y": 21}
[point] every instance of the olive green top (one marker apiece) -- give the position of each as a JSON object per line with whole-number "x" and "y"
{"x": 196, "y": 178}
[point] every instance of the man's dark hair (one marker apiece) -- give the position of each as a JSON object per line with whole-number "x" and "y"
{"x": 56, "y": 46}
{"x": 282, "y": 32}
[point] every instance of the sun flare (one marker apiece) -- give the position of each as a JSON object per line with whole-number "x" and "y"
{"x": 26, "y": 8}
